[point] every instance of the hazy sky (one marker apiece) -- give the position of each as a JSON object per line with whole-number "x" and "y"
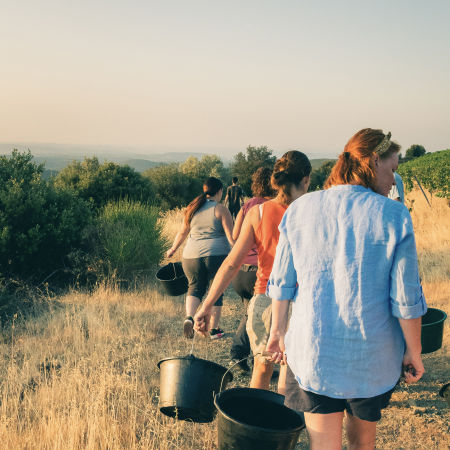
{"x": 220, "y": 75}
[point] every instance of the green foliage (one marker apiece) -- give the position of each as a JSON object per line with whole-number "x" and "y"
{"x": 172, "y": 187}
{"x": 39, "y": 224}
{"x": 245, "y": 165}
{"x": 320, "y": 175}
{"x": 100, "y": 183}
{"x": 432, "y": 170}
{"x": 129, "y": 240}
{"x": 207, "y": 166}
{"x": 415, "y": 151}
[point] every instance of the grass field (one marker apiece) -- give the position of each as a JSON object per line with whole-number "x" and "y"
{"x": 81, "y": 372}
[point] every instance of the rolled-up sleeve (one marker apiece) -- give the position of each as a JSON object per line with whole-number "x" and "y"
{"x": 407, "y": 299}
{"x": 282, "y": 283}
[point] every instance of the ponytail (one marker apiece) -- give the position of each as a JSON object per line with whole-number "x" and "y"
{"x": 211, "y": 187}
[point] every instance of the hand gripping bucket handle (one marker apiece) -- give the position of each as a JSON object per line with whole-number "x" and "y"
{"x": 237, "y": 362}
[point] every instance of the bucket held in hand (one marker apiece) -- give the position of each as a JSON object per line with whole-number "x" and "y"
{"x": 432, "y": 330}
{"x": 256, "y": 419}
{"x": 172, "y": 279}
{"x": 187, "y": 387}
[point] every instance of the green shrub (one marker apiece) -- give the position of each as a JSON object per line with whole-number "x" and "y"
{"x": 39, "y": 224}
{"x": 173, "y": 188}
{"x": 129, "y": 240}
{"x": 431, "y": 170}
{"x": 101, "y": 183}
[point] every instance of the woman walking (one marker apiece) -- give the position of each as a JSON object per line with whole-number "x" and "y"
{"x": 209, "y": 227}
{"x": 347, "y": 260}
{"x": 290, "y": 178}
{"x": 244, "y": 281}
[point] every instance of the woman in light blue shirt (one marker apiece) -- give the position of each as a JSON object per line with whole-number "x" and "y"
{"x": 347, "y": 261}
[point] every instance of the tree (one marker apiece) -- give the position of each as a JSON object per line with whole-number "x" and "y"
{"x": 415, "y": 151}
{"x": 39, "y": 224}
{"x": 320, "y": 175}
{"x": 245, "y": 165}
{"x": 207, "y": 166}
{"x": 100, "y": 183}
{"x": 172, "y": 187}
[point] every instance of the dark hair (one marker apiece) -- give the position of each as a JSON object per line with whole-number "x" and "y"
{"x": 211, "y": 187}
{"x": 289, "y": 171}
{"x": 261, "y": 186}
{"x": 234, "y": 180}
{"x": 354, "y": 165}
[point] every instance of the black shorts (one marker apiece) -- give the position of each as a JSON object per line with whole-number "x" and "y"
{"x": 200, "y": 272}
{"x": 364, "y": 408}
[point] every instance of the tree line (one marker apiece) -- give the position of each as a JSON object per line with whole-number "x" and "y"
{"x": 87, "y": 220}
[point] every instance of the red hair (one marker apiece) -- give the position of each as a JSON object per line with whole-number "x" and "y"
{"x": 355, "y": 165}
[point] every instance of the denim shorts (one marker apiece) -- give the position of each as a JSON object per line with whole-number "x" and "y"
{"x": 368, "y": 409}
{"x": 200, "y": 272}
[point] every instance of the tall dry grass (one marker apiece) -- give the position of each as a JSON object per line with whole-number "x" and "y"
{"x": 81, "y": 373}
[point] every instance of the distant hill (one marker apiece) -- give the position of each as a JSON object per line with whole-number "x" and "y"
{"x": 57, "y": 156}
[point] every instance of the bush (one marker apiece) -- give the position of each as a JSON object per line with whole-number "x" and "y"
{"x": 320, "y": 175}
{"x": 431, "y": 170}
{"x": 173, "y": 188}
{"x": 101, "y": 183}
{"x": 129, "y": 240}
{"x": 39, "y": 225}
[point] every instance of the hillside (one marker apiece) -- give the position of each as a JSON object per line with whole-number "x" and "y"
{"x": 432, "y": 171}
{"x": 81, "y": 372}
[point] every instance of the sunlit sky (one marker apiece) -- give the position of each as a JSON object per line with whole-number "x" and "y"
{"x": 217, "y": 76}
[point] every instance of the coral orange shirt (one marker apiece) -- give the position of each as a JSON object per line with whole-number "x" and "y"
{"x": 266, "y": 237}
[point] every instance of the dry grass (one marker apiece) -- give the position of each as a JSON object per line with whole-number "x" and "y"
{"x": 83, "y": 374}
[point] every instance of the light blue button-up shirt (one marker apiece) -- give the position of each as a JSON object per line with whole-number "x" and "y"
{"x": 347, "y": 258}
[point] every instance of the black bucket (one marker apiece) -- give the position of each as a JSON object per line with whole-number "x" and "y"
{"x": 432, "y": 330}
{"x": 256, "y": 419}
{"x": 187, "y": 387}
{"x": 172, "y": 279}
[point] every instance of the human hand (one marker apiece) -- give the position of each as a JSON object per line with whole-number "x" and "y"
{"x": 412, "y": 367}
{"x": 170, "y": 252}
{"x": 275, "y": 346}
{"x": 201, "y": 321}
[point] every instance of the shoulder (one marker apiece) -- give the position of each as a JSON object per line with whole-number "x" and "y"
{"x": 221, "y": 209}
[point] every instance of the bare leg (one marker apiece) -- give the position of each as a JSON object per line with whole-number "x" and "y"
{"x": 262, "y": 373}
{"x": 360, "y": 433}
{"x": 325, "y": 430}
{"x": 215, "y": 317}
{"x": 191, "y": 305}
{"x": 282, "y": 380}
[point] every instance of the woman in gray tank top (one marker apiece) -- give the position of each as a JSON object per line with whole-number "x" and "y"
{"x": 208, "y": 226}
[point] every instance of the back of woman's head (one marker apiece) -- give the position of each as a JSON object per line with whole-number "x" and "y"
{"x": 288, "y": 172}
{"x": 261, "y": 186}
{"x": 355, "y": 163}
{"x": 211, "y": 186}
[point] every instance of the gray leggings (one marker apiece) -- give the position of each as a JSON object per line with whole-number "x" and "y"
{"x": 200, "y": 272}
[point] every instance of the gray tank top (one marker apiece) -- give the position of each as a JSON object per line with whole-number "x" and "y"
{"x": 207, "y": 236}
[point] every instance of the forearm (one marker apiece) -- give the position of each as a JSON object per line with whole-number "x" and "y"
{"x": 280, "y": 312}
{"x": 179, "y": 239}
{"x": 411, "y": 329}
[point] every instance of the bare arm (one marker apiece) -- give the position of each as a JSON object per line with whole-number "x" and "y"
{"x": 225, "y": 274}
{"x": 412, "y": 361}
{"x": 238, "y": 224}
{"x": 179, "y": 239}
{"x": 275, "y": 344}
{"x": 224, "y": 215}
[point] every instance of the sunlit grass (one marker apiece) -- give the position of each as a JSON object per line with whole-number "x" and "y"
{"x": 81, "y": 373}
